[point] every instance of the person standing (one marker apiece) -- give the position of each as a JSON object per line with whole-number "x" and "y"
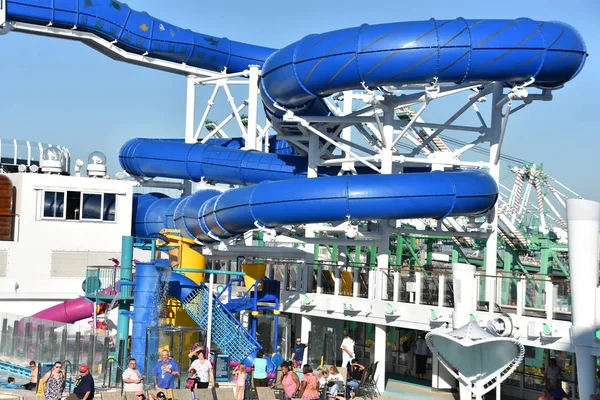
{"x": 32, "y": 385}
{"x": 347, "y": 349}
{"x": 203, "y": 368}
{"x": 133, "y": 381}
{"x": 298, "y": 353}
{"x": 164, "y": 373}
{"x": 259, "y": 376}
{"x": 54, "y": 381}
{"x": 290, "y": 381}
{"x": 408, "y": 346}
{"x": 421, "y": 355}
{"x": 84, "y": 386}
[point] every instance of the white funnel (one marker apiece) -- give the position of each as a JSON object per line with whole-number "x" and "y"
{"x": 583, "y": 220}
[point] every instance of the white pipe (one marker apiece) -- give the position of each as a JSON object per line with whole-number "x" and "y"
{"x": 583, "y": 220}
{"x": 211, "y": 282}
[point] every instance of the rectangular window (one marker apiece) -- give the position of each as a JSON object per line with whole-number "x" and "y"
{"x": 91, "y": 206}
{"x": 109, "y": 207}
{"x": 78, "y": 206}
{"x": 73, "y": 205}
{"x": 54, "y": 204}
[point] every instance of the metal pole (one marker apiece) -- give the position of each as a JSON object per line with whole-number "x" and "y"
{"x": 491, "y": 257}
{"x": 211, "y": 281}
{"x": 190, "y": 109}
{"x": 251, "y": 136}
{"x": 95, "y": 319}
{"x": 126, "y": 276}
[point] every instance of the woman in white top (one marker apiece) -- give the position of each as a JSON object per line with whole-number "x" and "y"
{"x": 203, "y": 368}
{"x": 335, "y": 381}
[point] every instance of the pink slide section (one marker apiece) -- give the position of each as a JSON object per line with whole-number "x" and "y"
{"x": 68, "y": 311}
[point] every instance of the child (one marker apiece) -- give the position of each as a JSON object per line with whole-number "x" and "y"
{"x": 240, "y": 385}
{"x": 323, "y": 382}
{"x": 190, "y": 383}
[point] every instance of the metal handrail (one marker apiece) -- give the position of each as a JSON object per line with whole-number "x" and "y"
{"x": 68, "y": 366}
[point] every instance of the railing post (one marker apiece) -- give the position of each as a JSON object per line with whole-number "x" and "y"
{"x": 441, "y": 289}
{"x": 319, "y": 278}
{"x": 397, "y": 277}
{"x": 15, "y": 338}
{"x": 63, "y": 345}
{"x": 39, "y": 345}
{"x": 4, "y": 337}
{"x": 336, "y": 282}
{"x": 77, "y": 349}
{"x": 418, "y": 286}
{"x": 356, "y": 282}
{"x": 521, "y": 295}
{"x": 549, "y": 305}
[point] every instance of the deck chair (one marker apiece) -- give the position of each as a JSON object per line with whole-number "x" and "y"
{"x": 203, "y": 394}
{"x": 264, "y": 393}
{"x": 225, "y": 393}
{"x": 182, "y": 394}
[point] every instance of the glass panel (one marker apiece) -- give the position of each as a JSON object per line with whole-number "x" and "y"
{"x": 110, "y": 207}
{"x": 73, "y": 205}
{"x": 92, "y": 206}
{"x": 54, "y": 204}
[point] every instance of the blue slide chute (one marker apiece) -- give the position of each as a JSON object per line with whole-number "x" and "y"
{"x": 140, "y": 33}
{"x": 213, "y": 216}
{"x": 176, "y": 159}
{"x": 394, "y": 54}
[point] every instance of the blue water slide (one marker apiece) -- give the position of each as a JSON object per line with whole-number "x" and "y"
{"x": 453, "y": 51}
{"x": 215, "y": 163}
{"x": 140, "y": 33}
{"x": 209, "y": 216}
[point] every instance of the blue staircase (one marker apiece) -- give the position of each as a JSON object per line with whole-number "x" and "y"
{"x": 227, "y": 332}
{"x": 241, "y": 304}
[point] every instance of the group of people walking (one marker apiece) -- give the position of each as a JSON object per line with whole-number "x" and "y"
{"x": 53, "y": 383}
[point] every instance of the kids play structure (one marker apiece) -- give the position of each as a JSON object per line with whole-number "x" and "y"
{"x": 315, "y": 176}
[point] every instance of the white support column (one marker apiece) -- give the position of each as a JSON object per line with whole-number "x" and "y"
{"x": 306, "y": 327}
{"x": 380, "y": 355}
{"x": 190, "y": 109}
{"x": 383, "y": 245}
{"x": 583, "y": 220}
{"x": 491, "y": 256}
{"x": 397, "y": 283}
{"x": 383, "y": 260}
{"x": 418, "y": 286}
{"x": 251, "y": 135}
{"x": 549, "y": 306}
{"x": 441, "y": 290}
{"x": 347, "y": 132}
{"x": 309, "y": 230}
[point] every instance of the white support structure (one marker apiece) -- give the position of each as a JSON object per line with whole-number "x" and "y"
{"x": 583, "y": 219}
{"x": 387, "y": 131}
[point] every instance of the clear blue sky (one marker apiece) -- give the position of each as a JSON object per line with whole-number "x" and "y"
{"x": 65, "y": 93}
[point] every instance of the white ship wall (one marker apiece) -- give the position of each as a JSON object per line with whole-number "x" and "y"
{"x": 45, "y": 264}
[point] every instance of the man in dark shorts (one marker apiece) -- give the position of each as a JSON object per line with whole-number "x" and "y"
{"x": 84, "y": 386}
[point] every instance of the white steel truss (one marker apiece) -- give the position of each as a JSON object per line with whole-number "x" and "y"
{"x": 387, "y": 130}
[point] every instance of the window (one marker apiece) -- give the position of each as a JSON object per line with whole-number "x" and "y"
{"x": 54, "y": 204}
{"x": 79, "y": 206}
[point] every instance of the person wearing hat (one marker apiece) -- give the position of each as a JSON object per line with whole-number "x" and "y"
{"x": 84, "y": 386}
